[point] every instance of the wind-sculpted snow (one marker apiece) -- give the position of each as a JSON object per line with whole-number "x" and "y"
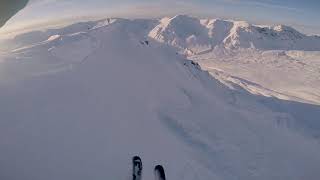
{"x": 78, "y": 106}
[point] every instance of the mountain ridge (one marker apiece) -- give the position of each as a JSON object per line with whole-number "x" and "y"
{"x": 209, "y": 33}
{"x": 195, "y": 35}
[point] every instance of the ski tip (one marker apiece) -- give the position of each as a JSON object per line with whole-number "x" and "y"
{"x": 159, "y": 170}
{"x": 136, "y": 168}
{"x": 136, "y": 158}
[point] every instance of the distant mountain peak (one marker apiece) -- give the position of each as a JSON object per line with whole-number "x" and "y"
{"x": 201, "y": 35}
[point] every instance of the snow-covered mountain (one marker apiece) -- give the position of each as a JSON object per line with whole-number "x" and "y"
{"x": 244, "y": 35}
{"x": 259, "y": 54}
{"x": 79, "y": 105}
{"x": 200, "y": 35}
{"x": 183, "y": 32}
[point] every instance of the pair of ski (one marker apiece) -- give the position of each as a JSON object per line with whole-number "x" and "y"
{"x": 137, "y": 170}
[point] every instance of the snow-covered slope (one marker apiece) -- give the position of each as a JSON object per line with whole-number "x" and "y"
{"x": 198, "y": 36}
{"x": 182, "y": 31}
{"x": 78, "y": 106}
{"x": 33, "y": 37}
{"x": 289, "y": 75}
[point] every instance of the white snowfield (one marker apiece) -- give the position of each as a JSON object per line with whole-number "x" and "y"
{"x": 79, "y": 102}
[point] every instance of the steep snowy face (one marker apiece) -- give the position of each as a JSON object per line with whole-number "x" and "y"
{"x": 241, "y": 35}
{"x": 183, "y": 32}
{"x": 218, "y": 30}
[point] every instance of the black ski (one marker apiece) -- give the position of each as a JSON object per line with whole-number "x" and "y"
{"x": 159, "y": 173}
{"x": 136, "y": 168}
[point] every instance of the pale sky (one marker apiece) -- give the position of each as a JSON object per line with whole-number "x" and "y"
{"x": 301, "y": 14}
